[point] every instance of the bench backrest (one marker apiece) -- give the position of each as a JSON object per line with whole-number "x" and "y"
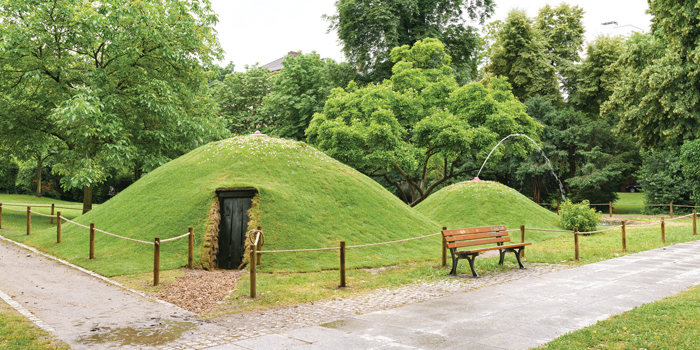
{"x": 475, "y": 236}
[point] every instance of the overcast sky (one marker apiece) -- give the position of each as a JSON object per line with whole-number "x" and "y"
{"x": 265, "y": 30}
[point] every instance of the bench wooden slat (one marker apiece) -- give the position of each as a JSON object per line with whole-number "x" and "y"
{"x": 475, "y": 236}
{"x": 479, "y": 242}
{"x": 462, "y": 231}
{"x": 493, "y": 248}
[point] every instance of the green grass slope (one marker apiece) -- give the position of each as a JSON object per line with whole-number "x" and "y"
{"x": 486, "y": 203}
{"x": 307, "y": 200}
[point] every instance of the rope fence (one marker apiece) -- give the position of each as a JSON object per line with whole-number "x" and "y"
{"x": 256, "y": 253}
{"x": 33, "y": 205}
{"x": 258, "y": 239}
{"x": 59, "y": 221}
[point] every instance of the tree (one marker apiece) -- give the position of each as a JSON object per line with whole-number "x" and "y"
{"x": 598, "y": 74}
{"x": 113, "y": 81}
{"x": 370, "y": 30}
{"x": 420, "y": 122}
{"x": 562, "y": 28}
{"x": 657, "y": 99}
{"x": 240, "y": 97}
{"x": 299, "y": 90}
{"x": 586, "y": 155}
{"x": 520, "y": 55}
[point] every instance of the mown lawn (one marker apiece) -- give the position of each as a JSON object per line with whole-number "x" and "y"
{"x": 671, "y": 323}
{"x": 16, "y": 332}
{"x": 628, "y": 203}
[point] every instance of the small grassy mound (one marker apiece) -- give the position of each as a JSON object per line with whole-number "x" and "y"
{"x": 486, "y": 203}
{"x": 307, "y": 200}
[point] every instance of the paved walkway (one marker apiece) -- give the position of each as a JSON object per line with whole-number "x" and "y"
{"x": 514, "y": 315}
{"x": 85, "y": 311}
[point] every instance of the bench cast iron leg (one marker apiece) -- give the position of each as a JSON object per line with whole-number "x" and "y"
{"x": 455, "y": 259}
{"x": 471, "y": 264}
{"x": 517, "y": 256}
{"x": 503, "y": 256}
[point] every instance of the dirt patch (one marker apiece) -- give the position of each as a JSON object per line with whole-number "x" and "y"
{"x": 199, "y": 290}
{"x": 608, "y": 221}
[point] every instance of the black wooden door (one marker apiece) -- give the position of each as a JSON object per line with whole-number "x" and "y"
{"x": 232, "y": 228}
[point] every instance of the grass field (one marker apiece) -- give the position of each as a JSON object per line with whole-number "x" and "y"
{"x": 16, "y": 332}
{"x": 671, "y": 323}
{"x": 621, "y": 205}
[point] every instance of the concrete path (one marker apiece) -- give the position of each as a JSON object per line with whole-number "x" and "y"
{"x": 87, "y": 312}
{"x": 515, "y": 315}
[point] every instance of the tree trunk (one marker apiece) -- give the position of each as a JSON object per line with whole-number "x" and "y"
{"x": 137, "y": 172}
{"x": 87, "y": 199}
{"x": 536, "y": 189}
{"x": 38, "y": 176}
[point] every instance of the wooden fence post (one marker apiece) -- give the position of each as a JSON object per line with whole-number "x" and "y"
{"x": 671, "y": 206}
{"x": 444, "y": 248}
{"x": 52, "y": 206}
{"x": 663, "y": 230}
{"x": 92, "y": 240}
{"x": 29, "y": 220}
{"x": 0, "y": 215}
{"x": 190, "y": 248}
{"x": 259, "y": 247}
{"x": 576, "y": 256}
{"x": 695, "y": 227}
{"x": 610, "y": 207}
{"x": 156, "y": 261}
{"x": 253, "y": 271}
{"x": 58, "y": 227}
{"x": 522, "y": 240}
{"x": 624, "y": 236}
{"x": 342, "y": 264}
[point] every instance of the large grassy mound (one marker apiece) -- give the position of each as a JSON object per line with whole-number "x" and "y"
{"x": 307, "y": 200}
{"x": 486, "y": 203}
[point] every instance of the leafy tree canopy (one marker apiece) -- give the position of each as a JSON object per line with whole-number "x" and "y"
{"x": 370, "y": 30}
{"x": 420, "y": 122}
{"x": 240, "y": 97}
{"x": 599, "y": 74}
{"x": 520, "y": 54}
{"x": 562, "y": 28}
{"x": 114, "y": 81}
{"x": 299, "y": 90}
{"x": 657, "y": 99}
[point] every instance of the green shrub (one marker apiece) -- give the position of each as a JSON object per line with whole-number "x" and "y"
{"x": 579, "y": 215}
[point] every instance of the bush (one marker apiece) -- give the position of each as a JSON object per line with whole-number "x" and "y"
{"x": 690, "y": 163}
{"x": 663, "y": 181}
{"x": 579, "y": 215}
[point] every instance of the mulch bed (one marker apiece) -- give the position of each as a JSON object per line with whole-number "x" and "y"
{"x": 199, "y": 290}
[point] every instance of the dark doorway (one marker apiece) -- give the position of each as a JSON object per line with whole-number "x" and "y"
{"x": 233, "y": 207}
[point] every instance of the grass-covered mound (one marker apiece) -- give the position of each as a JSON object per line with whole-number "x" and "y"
{"x": 307, "y": 200}
{"x": 486, "y": 203}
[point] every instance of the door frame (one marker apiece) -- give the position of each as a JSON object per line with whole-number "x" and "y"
{"x": 222, "y": 193}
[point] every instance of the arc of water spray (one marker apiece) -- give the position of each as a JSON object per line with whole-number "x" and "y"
{"x": 551, "y": 168}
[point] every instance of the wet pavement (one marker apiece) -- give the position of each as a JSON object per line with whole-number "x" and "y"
{"x": 515, "y": 315}
{"x": 85, "y": 311}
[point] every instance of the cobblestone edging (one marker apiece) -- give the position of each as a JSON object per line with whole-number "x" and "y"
{"x": 256, "y": 323}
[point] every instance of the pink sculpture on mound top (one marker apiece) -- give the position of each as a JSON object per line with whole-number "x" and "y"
{"x": 476, "y": 179}
{"x": 257, "y": 133}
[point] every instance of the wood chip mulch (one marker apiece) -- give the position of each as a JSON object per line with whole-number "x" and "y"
{"x": 199, "y": 290}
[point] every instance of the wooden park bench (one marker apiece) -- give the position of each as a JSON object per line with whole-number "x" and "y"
{"x": 478, "y": 236}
